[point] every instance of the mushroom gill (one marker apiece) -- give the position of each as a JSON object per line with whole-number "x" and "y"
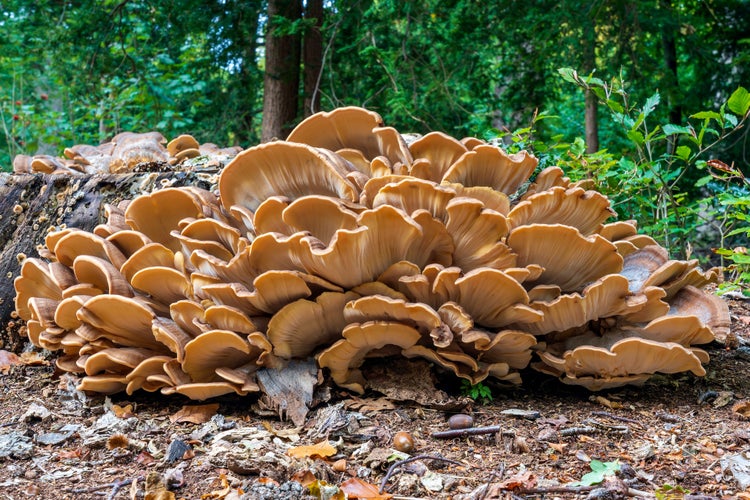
{"x": 344, "y": 243}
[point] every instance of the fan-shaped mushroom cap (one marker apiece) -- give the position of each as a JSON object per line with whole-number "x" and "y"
{"x": 295, "y": 170}
{"x": 222, "y": 317}
{"x": 149, "y": 375}
{"x": 413, "y": 194}
{"x": 122, "y": 319}
{"x": 345, "y": 356}
{"x": 300, "y": 327}
{"x": 381, "y": 308}
{"x": 169, "y": 333}
{"x": 76, "y": 242}
{"x": 347, "y": 127}
{"x": 494, "y": 299}
{"x": 547, "y": 179}
{"x": 188, "y": 314}
{"x": 157, "y": 214}
{"x": 511, "y": 347}
{"x": 214, "y": 349}
{"x": 618, "y": 230}
{"x": 583, "y": 210}
{"x": 128, "y": 241}
{"x": 569, "y": 259}
{"x": 629, "y": 356}
{"x": 321, "y": 216}
{"x": 486, "y": 165}
{"x": 440, "y": 150}
{"x": 151, "y": 255}
{"x": 215, "y": 237}
{"x": 608, "y": 296}
{"x": 163, "y": 284}
{"x": 683, "y": 330}
{"x": 711, "y": 310}
{"x": 461, "y": 364}
{"x": 103, "y": 384}
{"x": 181, "y": 143}
{"x": 200, "y": 391}
{"x": 477, "y": 234}
{"x": 102, "y": 274}
{"x": 116, "y": 360}
{"x": 35, "y": 280}
{"x": 638, "y": 266}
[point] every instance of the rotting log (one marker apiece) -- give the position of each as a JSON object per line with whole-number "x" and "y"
{"x": 31, "y": 205}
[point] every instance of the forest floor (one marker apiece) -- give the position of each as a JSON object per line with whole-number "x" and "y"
{"x": 675, "y": 437}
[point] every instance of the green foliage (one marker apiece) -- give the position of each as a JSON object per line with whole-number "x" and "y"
{"x": 599, "y": 470}
{"x": 477, "y": 392}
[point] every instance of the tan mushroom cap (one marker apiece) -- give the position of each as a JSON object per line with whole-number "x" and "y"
{"x": 392, "y": 146}
{"x": 214, "y": 349}
{"x": 116, "y": 360}
{"x": 618, "y": 230}
{"x": 121, "y": 319}
{"x": 440, "y": 150}
{"x": 583, "y": 210}
{"x": 269, "y": 216}
{"x": 35, "y": 280}
{"x": 102, "y": 274}
{"x": 76, "y": 242}
{"x": 477, "y": 234}
{"x": 158, "y": 214}
{"x": 212, "y": 236}
{"x": 345, "y": 356}
{"x": 151, "y": 255}
{"x": 128, "y": 241}
{"x": 181, "y": 143}
{"x": 461, "y": 364}
{"x": 413, "y": 194}
{"x": 189, "y": 315}
{"x": 321, "y": 216}
{"x": 302, "y": 326}
{"x": 608, "y": 296}
{"x": 103, "y": 384}
{"x": 486, "y": 165}
{"x": 638, "y": 266}
{"x": 710, "y": 309}
{"x": 200, "y": 391}
{"x": 569, "y": 259}
{"x": 342, "y": 128}
{"x": 163, "y": 284}
{"x": 494, "y": 299}
{"x": 149, "y": 375}
{"x": 683, "y": 330}
{"x": 547, "y": 179}
{"x": 222, "y": 317}
{"x": 511, "y": 347}
{"x": 287, "y": 168}
{"x": 381, "y": 308}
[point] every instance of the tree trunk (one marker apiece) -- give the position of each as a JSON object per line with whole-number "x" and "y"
{"x": 246, "y": 24}
{"x": 281, "y": 80}
{"x": 313, "y": 56}
{"x": 672, "y": 84}
{"x": 589, "y": 64}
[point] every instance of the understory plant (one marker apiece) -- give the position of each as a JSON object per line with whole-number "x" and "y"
{"x": 664, "y": 176}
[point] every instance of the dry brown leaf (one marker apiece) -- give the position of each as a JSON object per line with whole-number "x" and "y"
{"x": 33, "y": 358}
{"x": 304, "y": 477}
{"x": 605, "y": 402}
{"x": 742, "y": 410}
{"x": 356, "y": 488}
{"x": 322, "y": 449}
{"x": 223, "y": 492}
{"x": 520, "y": 480}
{"x": 8, "y": 359}
{"x": 195, "y": 414}
{"x": 369, "y": 405}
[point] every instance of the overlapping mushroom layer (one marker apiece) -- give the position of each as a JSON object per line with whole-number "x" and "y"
{"x": 123, "y": 153}
{"x": 343, "y": 243}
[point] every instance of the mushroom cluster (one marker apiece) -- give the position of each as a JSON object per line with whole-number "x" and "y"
{"x": 122, "y": 154}
{"x": 344, "y": 243}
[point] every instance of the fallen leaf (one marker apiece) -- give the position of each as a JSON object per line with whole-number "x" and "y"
{"x": 322, "y": 449}
{"x": 356, "y": 488}
{"x": 369, "y": 405}
{"x": 605, "y": 402}
{"x": 519, "y": 480}
{"x": 558, "y": 447}
{"x": 8, "y": 359}
{"x": 742, "y": 410}
{"x": 223, "y": 492}
{"x": 195, "y": 414}
{"x": 304, "y": 477}
{"x": 144, "y": 458}
{"x": 33, "y": 358}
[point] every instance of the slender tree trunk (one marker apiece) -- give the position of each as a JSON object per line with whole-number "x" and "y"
{"x": 246, "y": 23}
{"x": 589, "y": 63}
{"x": 313, "y": 56}
{"x": 669, "y": 46}
{"x": 281, "y": 80}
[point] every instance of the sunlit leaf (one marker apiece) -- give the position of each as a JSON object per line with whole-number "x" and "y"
{"x": 321, "y": 449}
{"x": 356, "y": 488}
{"x": 739, "y": 101}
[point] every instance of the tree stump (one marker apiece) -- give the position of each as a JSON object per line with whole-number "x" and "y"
{"x": 31, "y": 205}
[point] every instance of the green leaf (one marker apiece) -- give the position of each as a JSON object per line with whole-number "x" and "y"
{"x": 672, "y": 129}
{"x": 568, "y": 74}
{"x": 706, "y": 115}
{"x": 703, "y": 181}
{"x": 636, "y": 137}
{"x": 599, "y": 470}
{"x": 739, "y": 101}
{"x": 683, "y": 152}
{"x": 615, "y": 106}
{"x": 651, "y": 104}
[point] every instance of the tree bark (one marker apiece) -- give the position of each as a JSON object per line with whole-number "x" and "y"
{"x": 281, "y": 79}
{"x": 313, "y": 56}
{"x": 589, "y": 64}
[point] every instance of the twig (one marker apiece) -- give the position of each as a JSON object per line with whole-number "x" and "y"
{"x": 117, "y": 486}
{"x": 574, "y": 431}
{"x": 398, "y": 464}
{"x": 495, "y": 472}
{"x": 615, "y": 417}
{"x": 471, "y": 431}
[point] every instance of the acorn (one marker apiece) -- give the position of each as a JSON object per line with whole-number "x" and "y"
{"x": 461, "y": 421}
{"x": 403, "y": 442}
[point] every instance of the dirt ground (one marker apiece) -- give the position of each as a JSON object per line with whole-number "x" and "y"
{"x": 676, "y": 437}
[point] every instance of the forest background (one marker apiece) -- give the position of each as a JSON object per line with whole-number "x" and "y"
{"x": 646, "y": 97}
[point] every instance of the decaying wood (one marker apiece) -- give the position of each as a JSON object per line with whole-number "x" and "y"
{"x": 31, "y": 205}
{"x": 289, "y": 391}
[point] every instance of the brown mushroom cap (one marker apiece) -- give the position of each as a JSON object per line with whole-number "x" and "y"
{"x": 121, "y": 319}
{"x": 295, "y": 170}
{"x": 569, "y": 259}
{"x": 182, "y": 143}
{"x": 440, "y": 150}
{"x": 345, "y": 356}
{"x": 214, "y": 349}
{"x": 486, "y": 165}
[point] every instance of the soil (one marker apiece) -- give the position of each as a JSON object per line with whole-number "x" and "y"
{"x": 675, "y": 437}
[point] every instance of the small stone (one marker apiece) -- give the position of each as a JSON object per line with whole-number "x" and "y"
{"x": 36, "y": 412}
